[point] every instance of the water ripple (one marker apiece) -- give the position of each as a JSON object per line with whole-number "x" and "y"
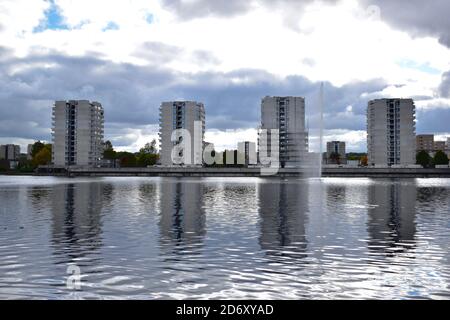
{"x": 170, "y": 238}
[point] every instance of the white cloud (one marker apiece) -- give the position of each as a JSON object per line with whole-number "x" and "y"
{"x": 337, "y": 43}
{"x": 18, "y": 17}
{"x": 229, "y": 139}
{"x": 356, "y": 140}
{"x": 431, "y": 104}
{"x": 132, "y": 139}
{"x": 23, "y": 143}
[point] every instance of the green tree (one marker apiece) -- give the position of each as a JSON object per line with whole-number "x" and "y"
{"x": 36, "y": 147}
{"x": 423, "y": 158}
{"x": 440, "y": 158}
{"x": 355, "y": 155}
{"x": 364, "y": 161}
{"x": 43, "y": 157}
{"x": 147, "y": 155}
{"x": 127, "y": 159}
{"x": 25, "y": 165}
{"x": 336, "y": 157}
{"x": 147, "y": 159}
{"x": 107, "y": 145}
{"x": 108, "y": 151}
{"x": 149, "y": 148}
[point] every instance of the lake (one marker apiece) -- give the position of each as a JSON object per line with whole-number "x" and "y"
{"x": 224, "y": 238}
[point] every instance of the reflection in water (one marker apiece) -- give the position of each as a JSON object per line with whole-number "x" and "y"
{"x": 283, "y": 212}
{"x": 76, "y": 219}
{"x": 440, "y": 197}
{"x": 182, "y": 214}
{"x": 335, "y": 195}
{"x": 391, "y": 217}
{"x": 265, "y": 238}
{"x": 39, "y": 197}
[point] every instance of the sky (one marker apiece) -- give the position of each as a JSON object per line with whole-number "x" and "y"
{"x": 130, "y": 55}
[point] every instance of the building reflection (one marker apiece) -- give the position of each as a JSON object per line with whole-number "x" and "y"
{"x": 438, "y": 196}
{"x": 391, "y": 222}
{"x": 182, "y": 221}
{"x": 283, "y": 209}
{"x": 39, "y": 197}
{"x": 76, "y": 218}
{"x": 335, "y": 195}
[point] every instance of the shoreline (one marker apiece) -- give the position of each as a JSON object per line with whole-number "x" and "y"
{"x": 359, "y": 172}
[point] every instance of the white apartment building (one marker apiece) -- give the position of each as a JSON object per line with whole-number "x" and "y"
{"x": 182, "y": 132}
{"x": 78, "y": 127}
{"x": 29, "y": 151}
{"x": 391, "y": 132}
{"x": 425, "y": 142}
{"x": 9, "y": 152}
{"x": 286, "y": 114}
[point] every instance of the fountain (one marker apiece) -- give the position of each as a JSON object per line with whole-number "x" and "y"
{"x": 312, "y": 166}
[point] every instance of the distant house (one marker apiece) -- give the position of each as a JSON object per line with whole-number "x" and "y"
{"x": 9, "y": 156}
{"x": 336, "y": 152}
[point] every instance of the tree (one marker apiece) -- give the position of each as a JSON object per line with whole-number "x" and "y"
{"x": 108, "y": 151}
{"x": 147, "y": 159}
{"x": 147, "y": 155}
{"x": 336, "y": 157}
{"x": 423, "y": 158}
{"x": 149, "y": 148}
{"x": 440, "y": 158}
{"x": 127, "y": 159}
{"x": 36, "y": 147}
{"x": 44, "y": 156}
{"x": 364, "y": 161}
{"x": 107, "y": 145}
{"x": 355, "y": 155}
{"x": 25, "y": 165}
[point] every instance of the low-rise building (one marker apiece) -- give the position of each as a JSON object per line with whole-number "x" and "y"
{"x": 425, "y": 142}
{"x": 9, "y": 156}
{"x": 336, "y": 152}
{"x": 439, "y": 146}
{"x": 447, "y": 147}
{"x": 30, "y": 152}
{"x": 9, "y": 152}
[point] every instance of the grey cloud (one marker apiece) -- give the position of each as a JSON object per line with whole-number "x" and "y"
{"x": 157, "y": 52}
{"x": 204, "y": 57}
{"x": 5, "y": 53}
{"x": 131, "y": 95}
{"x": 227, "y": 8}
{"x": 309, "y": 62}
{"x": 444, "y": 88}
{"x": 433, "y": 121}
{"x": 27, "y": 95}
{"x": 201, "y": 8}
{"x": 417, "y": 17}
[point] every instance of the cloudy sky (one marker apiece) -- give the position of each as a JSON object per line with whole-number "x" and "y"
{"x": 132, "y": 54}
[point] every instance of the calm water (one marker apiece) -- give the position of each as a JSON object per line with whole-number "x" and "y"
{"x": 150, "y": 238}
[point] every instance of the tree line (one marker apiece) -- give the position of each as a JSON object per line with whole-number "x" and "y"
{"x": 425, "y": 160}
{"x": 41, "y": 154}
{"x": 147, "y": 155}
